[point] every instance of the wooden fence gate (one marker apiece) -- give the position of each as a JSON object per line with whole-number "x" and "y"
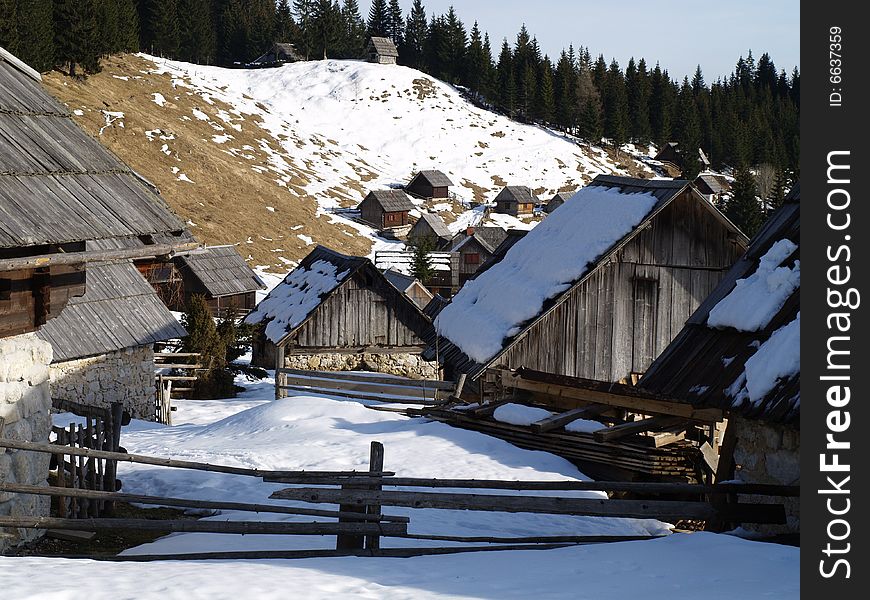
{"x": 101, "y": 431}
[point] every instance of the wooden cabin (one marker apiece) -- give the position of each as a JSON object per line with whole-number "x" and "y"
{"x": 382, "y": 50}
{"x": 386, "y": 209}
{"x": 410, "y": 286}
{"x": 430, "y": 229}
{"x": 515, "y": 200}
{"x": 557, "y": 201}
{"x": 219, "y": 273}
{"x": 279, "y": 54}
{"x": 101, "y": 356}
{"x": 710, "y": 361}
{"x": 475, "y": 246}
{"x": 60, "y": 190}
{"x": 712, "y": 186}
{"x": 429, "y": 184}
{"x": 641, "y": 271}
{"x": 336, "y": 312}
{"x": 671, "y": 154}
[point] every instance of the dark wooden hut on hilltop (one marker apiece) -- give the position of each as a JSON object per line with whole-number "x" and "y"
{"x": 338, "y": 312}
{"x": 557, "y": 201}
{"x": 672, "y": 154}
{"x": 622, "y": 310}
{"x": 429, "y": 184}
{"x": 515, "y": 200}
{"x": 386, "y": 209}
{"x": 739, "y": 351}
{"x": 712, "y": 186}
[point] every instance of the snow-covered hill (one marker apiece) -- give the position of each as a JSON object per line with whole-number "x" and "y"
{"x": 262, "y": 157}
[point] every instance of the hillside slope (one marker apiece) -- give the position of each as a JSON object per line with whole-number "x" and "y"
{"x": 261, "y": 158}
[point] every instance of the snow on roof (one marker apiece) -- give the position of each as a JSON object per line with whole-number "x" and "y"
{"x": 777, "y": 359}
{"x": 538, "y": 267}
{"x": 756, "y": 299}
{"x": 290, "y": 303}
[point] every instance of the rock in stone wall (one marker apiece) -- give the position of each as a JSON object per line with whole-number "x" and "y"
{"x": 25, "y": 414}
{"x": 402, "y": 364}
{"x": 125, "y": 376}
{"x": 769, "y": 453}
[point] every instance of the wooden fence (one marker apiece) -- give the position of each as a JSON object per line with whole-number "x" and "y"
{"x": 167, "y": 384}
{"x": 359, "y": 522}
{"x": 101, "y": 431}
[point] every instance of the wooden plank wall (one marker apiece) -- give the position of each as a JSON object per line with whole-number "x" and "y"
{"x": 23, "y": 294}
{"x": 627, "y": 312}
{"x": 361, "y": 314}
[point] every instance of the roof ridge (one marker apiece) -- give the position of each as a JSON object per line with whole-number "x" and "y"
{"x": 17, "y": 63}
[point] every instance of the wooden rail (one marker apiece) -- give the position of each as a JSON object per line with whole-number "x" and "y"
{"x": 365, "y": 387}
{"x": 638, "y": 509}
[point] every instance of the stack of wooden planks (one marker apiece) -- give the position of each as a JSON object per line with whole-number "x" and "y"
{"x": 366, "y": 386}
{"x": 679, "y": 461}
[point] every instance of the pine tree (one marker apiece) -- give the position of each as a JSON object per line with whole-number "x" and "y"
{"x": 565, "y": 93}
{"x": 776, "y": 198}
{"x": 506, "y": 82}
{"x": 743, "y": 207}
{"x": 687, "y": 130}
{"x": 422, "y": 267}
{"x": 454, "y": 46}
{"x": 638, "y": 90}
{"x": 107, "y": 26}
{"x": 76, "y": 43}
{"x": 128, "y": 26}
{"x": 396, "y": 22}
{"x": 660, "y": 106}
{"x": 354, "y": 30}
{"x": 304, "y": 9}
{"x": 416, "y": 32}
{"x": 379, "y": 20}
{"x": 590, "y": 121}
{"x": 162, "y": 20}
{"x": 477, "y": 64}
{"x": 196, "y": 32}
{"x": 328, "y": 28}
{"x": 36, "y": 33}
{"x": 546, "y": 103}
{"x": 9, "y": 37}
{"x": 616, "y": 120}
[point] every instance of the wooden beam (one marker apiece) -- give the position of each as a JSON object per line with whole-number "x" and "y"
{"x": 20, "y": 488}
{"x": 75, "y": 258}
{"x": 361, "y": 396}
{"x": 190, "y": 525}
{"x": 599, "y": 507}
{"x": 634, "y": 403}
{"x": 560, "y": 420}
{"x": 638, "y": 487}
{"x": 369, "y": 378}
{"x": 609, "y": 434}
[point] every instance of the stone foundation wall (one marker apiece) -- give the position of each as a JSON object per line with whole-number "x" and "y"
{"x": 25, "y": 414}
{"x": 402, "y": 364}
{"x": 769, "y": 453}
{"x": 125, "y": 376}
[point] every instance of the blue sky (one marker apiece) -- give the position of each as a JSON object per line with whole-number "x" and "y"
{"x": 680, "y": 34}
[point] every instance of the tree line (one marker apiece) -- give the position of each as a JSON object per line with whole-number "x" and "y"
{"x": 749, "y": 118}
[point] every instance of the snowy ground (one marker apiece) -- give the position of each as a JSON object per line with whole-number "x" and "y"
{"x": 307, "y": 432}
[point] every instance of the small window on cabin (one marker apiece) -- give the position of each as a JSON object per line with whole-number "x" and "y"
{"x": 472, "y": 259}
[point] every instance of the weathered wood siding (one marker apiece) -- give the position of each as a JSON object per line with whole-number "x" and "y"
{"x": 362, "y": 314}
{"x": 628, "y": 311}
{"x": 371, "y": 212}
{"x": 28, "y": 298}
{"x": 420, "y": 188}
{"x": 466, "y": 270}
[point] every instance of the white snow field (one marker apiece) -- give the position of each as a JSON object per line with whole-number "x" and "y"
{"x": 352, "y": 126}
{"x": 306, "y": 432}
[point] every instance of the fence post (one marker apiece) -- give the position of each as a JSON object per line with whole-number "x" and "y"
{"x": 376, "y": 465}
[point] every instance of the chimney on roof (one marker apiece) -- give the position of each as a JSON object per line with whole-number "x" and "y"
{"x": 469, "y": 231}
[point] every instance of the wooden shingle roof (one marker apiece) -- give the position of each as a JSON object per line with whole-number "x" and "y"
{"x": 57, "y": 183}
{"x": 516, "y": 194}
{"x": 384, "y": 46}
{"x": 701, "y": 363}
{"x": 434, "y": 177}
{"x": 119, "y": 310}
{"x": 664, "y": 191}
{"x": 222, "y": 271}
{"x": 439, "y": 227}
{"x": 392, "y": 200}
